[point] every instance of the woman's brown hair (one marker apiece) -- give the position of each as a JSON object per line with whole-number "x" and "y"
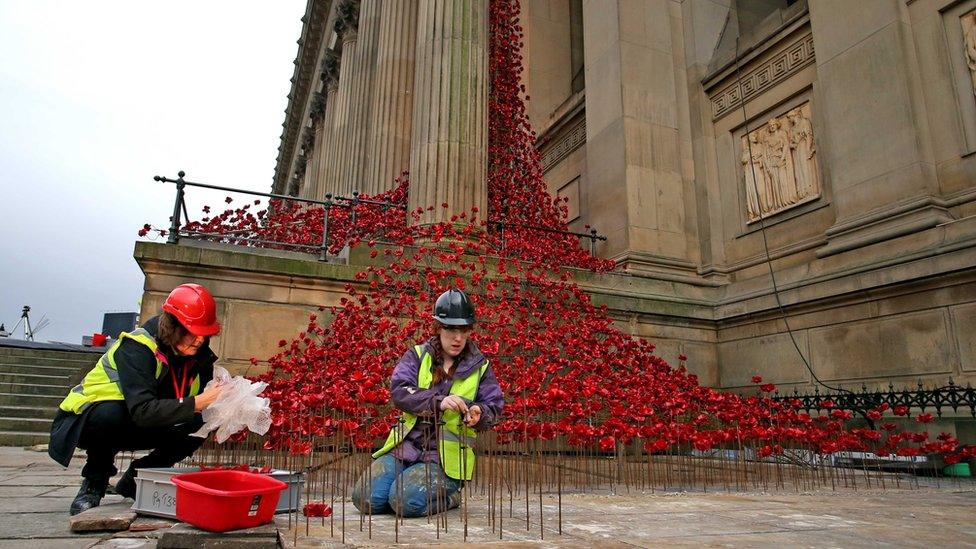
{"x": 170, "y": 332}
{"x": 437, "y": 358}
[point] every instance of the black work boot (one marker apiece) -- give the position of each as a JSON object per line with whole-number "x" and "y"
{"x": 126, "y": 486}
{"x": 90, "y": 495}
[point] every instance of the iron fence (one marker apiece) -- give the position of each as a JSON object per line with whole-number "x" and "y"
{"x": 177, "y": 227}
{"x": 949, "y": 396}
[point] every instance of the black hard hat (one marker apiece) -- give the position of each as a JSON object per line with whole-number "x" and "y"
{"x": 453, "y": 308}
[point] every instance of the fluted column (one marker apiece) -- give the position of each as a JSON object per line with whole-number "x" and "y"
{"x": 363, "y": 58}
{"x": 313, "y": 143}
{"x": 309, "y": 151}
{"x": 388, "y": 153}
{"x": 449, "y": 152}
{"x": 315, "y": 169}
{"x": 328, "y": 162}
{"x": 344, "y": 152}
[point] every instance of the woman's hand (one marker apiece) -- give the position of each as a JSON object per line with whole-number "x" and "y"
{"x": 473, "y": 416}
{"x": 455, "y": 403}
{"x": 206, "y": 398}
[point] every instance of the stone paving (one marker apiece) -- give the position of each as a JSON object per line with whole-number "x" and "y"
{"x": 35, "y": 493}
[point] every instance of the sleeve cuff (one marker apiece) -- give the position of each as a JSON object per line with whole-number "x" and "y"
{"x": 435, "y": 403}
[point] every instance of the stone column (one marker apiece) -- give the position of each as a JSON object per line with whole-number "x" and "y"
{"x": 363, "y": 58}
{"x": 449, "y": 149}
{"x": 326, "y": 170}
{"x": 310, "y": 144}
{"x": 310, "y": 152}
{"x": 327, "y": 162}
{"x": 388, "y": 154}
{"x": 876, "y": 141}
{"x": 344, "y": 153}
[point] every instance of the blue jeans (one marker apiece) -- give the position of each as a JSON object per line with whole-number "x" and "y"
{"x": 409, "y": 489}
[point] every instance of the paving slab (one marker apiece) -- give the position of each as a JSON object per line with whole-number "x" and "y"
{"x": 58, "y": 543}
{"x": 25, "y": 491}
{"x": 29, "y": 505}
{"x": 39, "y": 525}
{"x": 125, "y": 543}
{"x": 42, "y": 480}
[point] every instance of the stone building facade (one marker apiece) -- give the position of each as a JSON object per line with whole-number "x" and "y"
{"x": 783, "y": 183}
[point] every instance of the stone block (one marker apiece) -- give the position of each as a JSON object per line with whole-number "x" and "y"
{"x": 702, "y": 357}
{"x": 601, "y": 31}
{"x": 772, "y": 356}
{"x": 648, "y": 85}
{"x": 865, "y": 87}
{"x": 840, "y": 25}
{"x": 604, "y": 104}
{"x": 899, "y": 345}
{"x": 254, "y": 329}
{"x": 112, "y": 518}
{"x": 645, "y": 23}
{"x": 184, "y": 535}
{"x": 708, "y": 19}
{"x": 963, "y": 319}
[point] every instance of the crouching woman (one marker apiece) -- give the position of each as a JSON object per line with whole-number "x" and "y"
{"x": 143, "y": 394}
{"x": 446, "y": 392}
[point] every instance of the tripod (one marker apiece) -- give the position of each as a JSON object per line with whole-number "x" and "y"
{"x": 28, "y": 331}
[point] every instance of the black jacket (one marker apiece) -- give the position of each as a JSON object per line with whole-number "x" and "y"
{"x": 151, "y": 402}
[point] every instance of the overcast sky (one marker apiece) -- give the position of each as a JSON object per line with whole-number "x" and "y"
{"x": 96, "y": 98}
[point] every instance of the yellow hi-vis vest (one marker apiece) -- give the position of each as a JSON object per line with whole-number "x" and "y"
{"x": 102, "y": 382}
{"x": 454, "y": 445}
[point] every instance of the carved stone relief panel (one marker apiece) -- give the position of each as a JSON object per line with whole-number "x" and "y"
{"x": 779, "y": 164}
{"x": 968, "y": 22}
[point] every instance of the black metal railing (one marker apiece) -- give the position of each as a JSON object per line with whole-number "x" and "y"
{"x": 949, "y": 396}
{"x": 331, "y": 201}
{"x": 594, "y": 236}
{"x": 177, "y": 228}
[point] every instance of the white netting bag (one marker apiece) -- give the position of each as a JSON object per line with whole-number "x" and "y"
{"x": 237, "y": 407}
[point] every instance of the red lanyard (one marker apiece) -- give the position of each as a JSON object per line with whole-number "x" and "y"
{"x": 179, "y": 390}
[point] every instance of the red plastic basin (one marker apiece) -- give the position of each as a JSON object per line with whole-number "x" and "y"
{"x": 219, "y": 501}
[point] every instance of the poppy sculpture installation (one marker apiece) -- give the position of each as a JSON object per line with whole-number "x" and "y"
{"x": 588, "y": 407}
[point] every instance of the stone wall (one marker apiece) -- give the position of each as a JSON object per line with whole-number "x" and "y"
{"x": 906, "y": 322}
{"x": 262, "y": 296}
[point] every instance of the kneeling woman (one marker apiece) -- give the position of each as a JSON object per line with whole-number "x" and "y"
{"x": 143, "y": 394}
{"x": 446, "y": 392}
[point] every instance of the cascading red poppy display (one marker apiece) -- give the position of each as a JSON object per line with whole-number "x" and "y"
{"x": 566, "y": 370}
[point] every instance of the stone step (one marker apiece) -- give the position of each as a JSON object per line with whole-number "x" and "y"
{"x": 34, "y": 389}
{"x": 25, "y": 425}
{"x": 34, "y": 379}
{"x": 37, "y": 401}
{"x": 44, "y": 370}
{"x": 47, "y": 353}
{"x": 32, "y": 412}
{"x": 79, "y": 362}
{"x": 21, "y": 438}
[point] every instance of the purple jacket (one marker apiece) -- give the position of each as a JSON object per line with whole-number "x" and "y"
{"x": 421, "y": 443}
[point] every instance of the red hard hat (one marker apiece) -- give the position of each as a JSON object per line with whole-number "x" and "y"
{"x": 195, "y": 308}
